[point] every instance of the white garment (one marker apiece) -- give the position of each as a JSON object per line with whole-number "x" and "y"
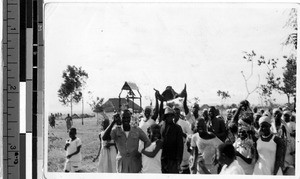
{"x": 185, "y": 126}
{"x": 233, "y": 169}
{"x": 191, "y": 118}
{"x": 151, "y": 165}
{"x": 206, "y": 147}
{"x": 107, "y": 159}
{"x": 73, "y": 148}
{"x": 144, "y": 125}
{"x": 266, "y": 158}
{"x": 291, "y": 125}
{"x": 244, "y": 147}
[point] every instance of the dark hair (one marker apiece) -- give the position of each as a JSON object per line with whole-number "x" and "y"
{"x": 155, "y": 127}
{"x": 73, "y": 129}
{"x": 228, "y": 150}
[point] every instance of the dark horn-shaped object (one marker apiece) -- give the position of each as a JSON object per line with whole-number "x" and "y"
{"x": 182, "y": 94}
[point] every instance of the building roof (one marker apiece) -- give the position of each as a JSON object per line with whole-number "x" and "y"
{"x": 113, "y": 104}
{"x": 130, "y": 86}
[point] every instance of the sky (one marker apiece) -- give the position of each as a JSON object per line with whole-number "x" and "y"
{"x": 162, "y": 44}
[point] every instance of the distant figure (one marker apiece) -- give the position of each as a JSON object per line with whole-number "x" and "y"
{"x": 52, "y": 120}
{"x": 69, "y": 122}
{"x": 72, "y": 148}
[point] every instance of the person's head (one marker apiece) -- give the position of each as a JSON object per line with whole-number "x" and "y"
{"x": 255, "y": 109}
{"x": 68, "y": 115}
{"x": 245, "y": 104}
{"x": 228, "y": 114}
{"x": 169, "y": 115}
{"x": 277, "y": 116}
{"x": 293, "y": 118}
{"x": 201, "y": 125}
{"x": 154, "y": 132}
{"x": 212, "y": 112}
{"x": 256, "y": 117}
{"x": 233, "y": 111}
{"x": 126, "y": 117}
{"x": 105, "y": 124}
{"x": 72, "y": 133}
{"x": 205, "y": 114}
{"x": 265, "y": 124}
{"x": 226, "y": 153}
{"x": 196, "y": 108}
{"x": 287, "y": 116}
{"x": 243, "y": 132}
{"x": 217, "y": 112}
{"x": 147, "y": 112}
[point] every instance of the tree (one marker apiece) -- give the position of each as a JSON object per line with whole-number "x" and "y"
{"x": 223, "y": 94}
{"x": 97, "y": 106}
{"x": 71, "y": 89}
{"x": 249, "y": 57}
{"x": 292, "y": 23}
{"x": 289, "y": 78}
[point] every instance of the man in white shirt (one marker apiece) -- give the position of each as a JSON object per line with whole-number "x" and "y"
{"x": 72, "y": 147}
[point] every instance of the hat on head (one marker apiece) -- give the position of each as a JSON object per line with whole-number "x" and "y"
{"x": 265, "y": 119}
{"x": 169, "y": 110}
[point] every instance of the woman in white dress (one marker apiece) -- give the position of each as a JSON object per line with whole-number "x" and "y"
{"x": 205, "y": 145}
{"x": 107, "y": 152}
{"x": 270, "y": 149}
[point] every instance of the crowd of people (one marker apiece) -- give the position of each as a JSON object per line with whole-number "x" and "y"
{"x": 173, "y": 138}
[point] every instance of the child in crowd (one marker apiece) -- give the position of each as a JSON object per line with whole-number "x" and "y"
{"x": 72, "y": 147}
{"x": 151, "y": 155}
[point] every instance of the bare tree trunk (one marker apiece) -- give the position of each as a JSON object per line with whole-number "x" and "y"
{"x": 71, "y": 105}
{"x": 82, "y": 112}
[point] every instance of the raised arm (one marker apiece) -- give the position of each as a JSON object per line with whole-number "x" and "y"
{"x": 106, "y": 135}
{"x": 186, "y": 109}
{"x": 156, "y": 109}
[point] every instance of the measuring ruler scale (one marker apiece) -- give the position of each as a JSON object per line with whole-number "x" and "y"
{"x": 11, "y": 89}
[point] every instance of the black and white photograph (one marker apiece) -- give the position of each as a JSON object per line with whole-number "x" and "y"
{"x": 170, "y": 88}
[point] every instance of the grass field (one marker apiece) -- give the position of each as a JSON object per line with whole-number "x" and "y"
{"x": 88, "y": 133}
